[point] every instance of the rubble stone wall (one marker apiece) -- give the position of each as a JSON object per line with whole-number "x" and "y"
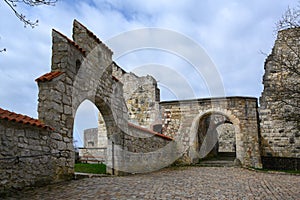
{"x": 280, "y": 99}
{"x": 90, "y": 137}
{"x": 142, "y": 97}
{"x": 28, "y": 156}
{"x": 226, "y": 138}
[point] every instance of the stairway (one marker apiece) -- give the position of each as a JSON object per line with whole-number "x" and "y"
{"x": 223, "y": 159}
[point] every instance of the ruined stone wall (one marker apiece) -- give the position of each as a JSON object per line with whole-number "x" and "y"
{"x": 28, "y": 156}
{"x": 94, "y": 150}
{"x": 181, "y": 121}
{"x": 226, "y": 138}
{"x": 280, "y": 99}
{"x": 90, "y": 137}
{"x": 142, "y": 97}
{"x": 93, "y": 155}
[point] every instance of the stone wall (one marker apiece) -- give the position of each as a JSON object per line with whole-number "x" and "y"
{"x": 93, "y": 155}
{"x": 280, "y": 99}
{"x": 226, "y": 138}
{"x": 281, "y": 163}
{"x": 80, "y": 70}
{"x": 181, "y": 120}
{"x": 90, "y": 137}
{"x": 29, "y": 155}
{"x": 143, "y": 151}
{"x": 142, "y": 140}
{"x": 102, "y": 132}
{"x": 142, "y": 97}
{"x": 94, "y": 151}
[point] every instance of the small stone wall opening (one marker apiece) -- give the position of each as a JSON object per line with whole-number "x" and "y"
{"x": 90, "y": 134}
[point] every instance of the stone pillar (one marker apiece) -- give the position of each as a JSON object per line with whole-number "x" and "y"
{"x": 102, "y": 132}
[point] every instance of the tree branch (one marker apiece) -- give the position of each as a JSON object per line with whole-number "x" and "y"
{"x": 13, "y": 4}
{"x": 290, "y": 19}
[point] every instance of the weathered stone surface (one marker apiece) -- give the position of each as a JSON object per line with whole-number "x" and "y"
{"x": 142, "y": 97}
{"x": 181, "y": 120}
{"x": 280, "y": 99}
{"x": 87, "y": 74}
{"x": 27, "y": 156}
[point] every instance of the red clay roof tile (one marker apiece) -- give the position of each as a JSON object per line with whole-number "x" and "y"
{"x": 14, "y": 117}
{"x": 48, "y": 76}
{"x": 150, "y": 131}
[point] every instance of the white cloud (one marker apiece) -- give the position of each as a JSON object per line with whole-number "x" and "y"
{"x": 232, "y": 33}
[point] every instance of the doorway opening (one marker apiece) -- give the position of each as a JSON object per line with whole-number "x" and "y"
{"x": 216, "y": 137}
{"x": 90, "y": 134}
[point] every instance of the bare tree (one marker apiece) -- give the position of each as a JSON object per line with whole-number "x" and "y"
{"x": 290, "y": 19}
{"x": 12, "y": 4}
{"x": 288, "y": 90}
{"x": 27, "y": 22}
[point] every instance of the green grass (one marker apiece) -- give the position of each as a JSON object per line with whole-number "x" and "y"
{"x": 270, "y": 170}
{"x": 90, "y": 168}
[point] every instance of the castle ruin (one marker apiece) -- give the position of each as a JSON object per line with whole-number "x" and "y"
{"x": 144, "y": 134}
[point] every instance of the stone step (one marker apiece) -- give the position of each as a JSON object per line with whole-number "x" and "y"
{"x": 227, "y": 154}
{"x": 216, "y": 163}
{"x": 224, "y": 159}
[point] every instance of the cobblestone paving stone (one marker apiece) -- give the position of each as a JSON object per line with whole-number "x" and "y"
{"x": 179, "y": 183}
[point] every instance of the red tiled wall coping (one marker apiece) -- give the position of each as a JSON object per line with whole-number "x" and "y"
{"x": 150, "y": 131}
{"x": 23, "y": 119}
{"x": 48, "y": 76}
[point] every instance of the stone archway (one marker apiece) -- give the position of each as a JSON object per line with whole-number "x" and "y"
{"x": 76, "y": 75}
{"x": 204, "y": 135}
{"x": 181, "y": 121}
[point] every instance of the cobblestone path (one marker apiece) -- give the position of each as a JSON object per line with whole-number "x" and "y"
{"x": 180, "y": 183}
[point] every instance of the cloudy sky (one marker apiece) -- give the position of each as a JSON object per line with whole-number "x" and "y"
{"x": 231, "y": 32}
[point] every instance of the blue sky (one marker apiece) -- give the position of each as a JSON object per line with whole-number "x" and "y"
{"x": 232, "y": 32}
